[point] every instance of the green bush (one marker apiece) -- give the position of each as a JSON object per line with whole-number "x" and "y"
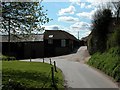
{"x": 114, "y": 38}
{"x": 108, "y": 62}
{"x": 116, "y": 73}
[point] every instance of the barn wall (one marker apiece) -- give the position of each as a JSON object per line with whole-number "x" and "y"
{"x": 55, "y": 49}
{"x": 23, "y": 50}
{"x": 61, "y": 51}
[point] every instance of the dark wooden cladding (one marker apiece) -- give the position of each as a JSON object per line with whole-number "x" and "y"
{"x": 54, "y": 43}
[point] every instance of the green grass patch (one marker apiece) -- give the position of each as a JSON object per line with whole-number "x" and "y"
{"x": 18, "y": 74}
{"x": 7, "y": 58}
{"x": 108, "y": 62}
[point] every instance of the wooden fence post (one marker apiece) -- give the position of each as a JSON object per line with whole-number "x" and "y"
{"x": 55, "y": 66}
{"x": 53, "y": 81}
{"x": 43, "y": 60}
{"x": 50, "y": 61}
{"x": 30, "y": 59}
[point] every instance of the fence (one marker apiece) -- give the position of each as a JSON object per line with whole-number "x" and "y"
{"x": 51, "y": 73}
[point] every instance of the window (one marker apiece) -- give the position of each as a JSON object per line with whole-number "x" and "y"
{"x": 63, "y": 43}
{"x": 50, "y": 36}
{"x": 50, "y": 41}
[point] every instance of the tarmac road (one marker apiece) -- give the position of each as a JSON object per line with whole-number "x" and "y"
{"x": 79, "y": 75}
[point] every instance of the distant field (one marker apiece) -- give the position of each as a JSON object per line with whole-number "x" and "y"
{"x": 29, "y": 75}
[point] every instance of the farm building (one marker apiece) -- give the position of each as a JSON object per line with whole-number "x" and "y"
{"x": 33, "y": 46}
{"x": 59, "y": 42}
{"x": 50, "y": 43}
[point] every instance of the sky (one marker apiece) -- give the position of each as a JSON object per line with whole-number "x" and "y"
{"x": 72, "y": 16}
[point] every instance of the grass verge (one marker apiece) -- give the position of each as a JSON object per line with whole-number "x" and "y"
{"x": 108, "y": 62}
{"x": 18, "y": 74}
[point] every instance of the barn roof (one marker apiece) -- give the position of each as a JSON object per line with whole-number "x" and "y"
{"x": 54, "y": 34}
{"x": 58, "y": 34}
{"x": 33, "y": 37}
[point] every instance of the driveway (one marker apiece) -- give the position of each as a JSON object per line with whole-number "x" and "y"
{"x": 79, "y": 75}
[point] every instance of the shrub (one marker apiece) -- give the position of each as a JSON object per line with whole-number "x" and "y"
{"x": 114, "y": 38}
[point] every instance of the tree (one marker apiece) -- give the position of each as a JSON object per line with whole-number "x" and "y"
{"x": 116, "y": 6}
{"x": 22, "y": 18}
{"x": 98, "y": 37}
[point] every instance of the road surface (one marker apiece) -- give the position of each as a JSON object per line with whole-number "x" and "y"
{"x": 79, "y": 75}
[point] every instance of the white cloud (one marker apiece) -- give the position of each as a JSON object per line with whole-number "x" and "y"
{"x": 99, "y": 1}
{"x": 85, "y": 5}
{"x": 88, "y": 15}
{"x": 68, "y": 19}
{"x": 75, "y": 1}
{"x": 84, "y": 14}
{"x": 82, "y": 5}
{"x": 89, "y": 6}
{"x": 52, "y": 27}
{"x": 69, "y": 10}
{"x": 82, "y": 32}
{"x": 96, "y": 3}
{"x": 80, "y": 26}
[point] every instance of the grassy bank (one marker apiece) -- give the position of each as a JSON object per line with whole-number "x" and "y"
{"x": 108, "y": 62}
{"x": 19, "y": 74}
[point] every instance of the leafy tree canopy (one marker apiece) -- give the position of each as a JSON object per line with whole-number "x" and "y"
{"x": 22, "y": 17}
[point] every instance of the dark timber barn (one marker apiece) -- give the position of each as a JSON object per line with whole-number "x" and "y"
{"x": 58, "y": 42}
{"x": 50, "y": 43}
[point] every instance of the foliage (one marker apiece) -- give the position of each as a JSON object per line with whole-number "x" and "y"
{"x": 116, "y": 6}
{"x": 104, "y": 43}
{"x": 22, "y": 17}
{"x": 99, "y": 33}
{"x": 29, "y": 75}
{"x": 2, "y": 57}
{"x": 114, "y": 38}
{"x": 108, "y": 62}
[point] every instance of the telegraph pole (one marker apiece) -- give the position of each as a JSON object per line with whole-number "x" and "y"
{"x": 78, "y": 34}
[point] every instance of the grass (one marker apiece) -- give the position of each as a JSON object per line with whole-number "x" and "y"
{"x": 7, "y": 58}
{"x": 108, "y": 62}
{"x": 29, "y": 75}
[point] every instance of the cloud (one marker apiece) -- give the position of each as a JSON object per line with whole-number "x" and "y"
{"x": 82, "y": 5}
{"x": 101, "y": 1}
{"x": 73, "y": 31}
{"x": 84, "y": 33}
{"x": 80, "y": 26}
{"x": 68, "y": 19}
{"x": 89, "y": 6}
{"x": 74, "y": 1}
{"x": 69, "y": 10}
{"x": 85, "y": 5}
{"x": 93, "y": 1}
{"x": 88, "y": 15}
{"x": 84, "y": 14}
{"x": 52, "y": 27}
